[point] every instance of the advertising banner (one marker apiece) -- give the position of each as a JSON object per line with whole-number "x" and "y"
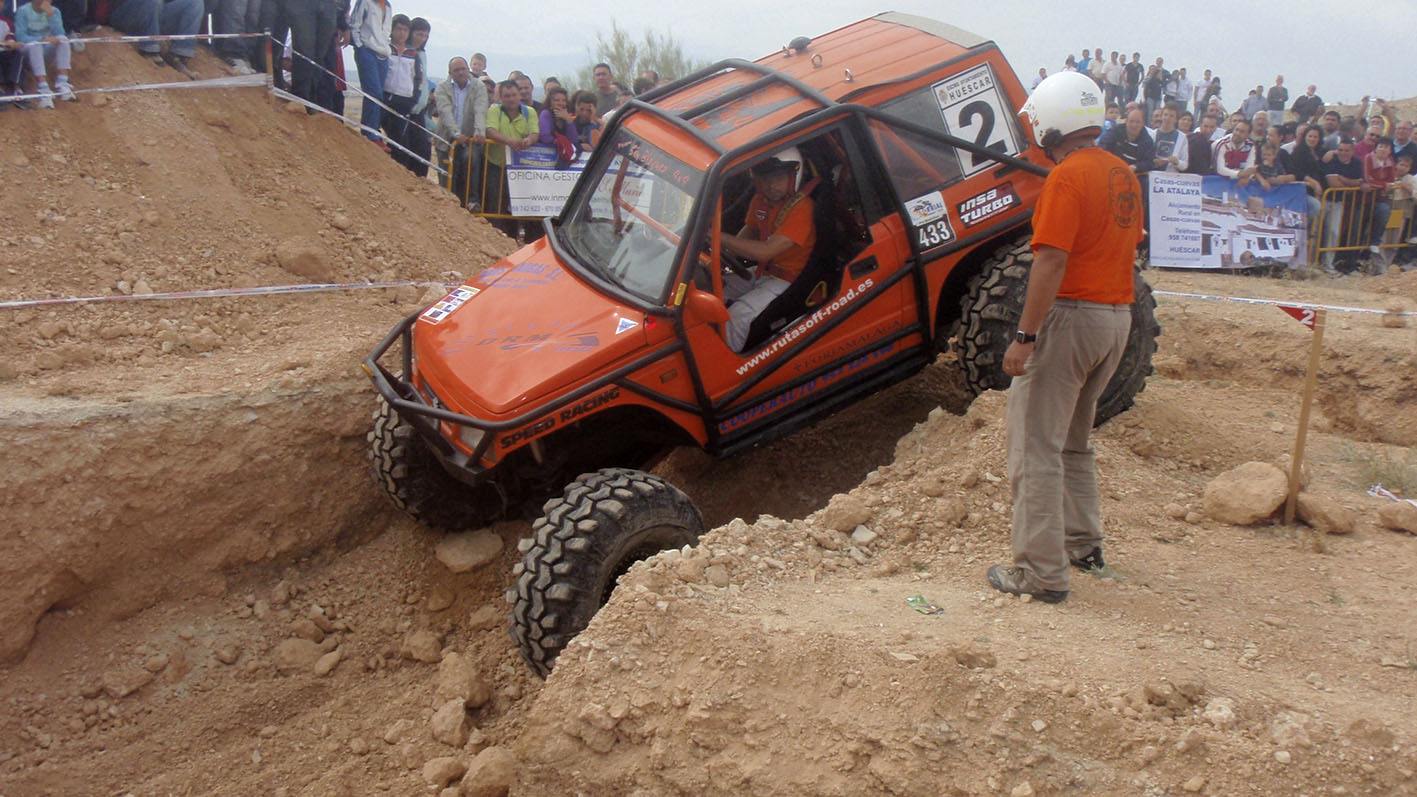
{"x": 1175, "y": 223}
{"x": 535, "y": 186}
{"x": 1225, "y": 225}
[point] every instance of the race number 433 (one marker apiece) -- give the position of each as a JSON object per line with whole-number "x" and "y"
{"x": 935, "y": 233}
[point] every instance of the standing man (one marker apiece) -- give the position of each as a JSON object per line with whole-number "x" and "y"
{"x": 1185, "y": 91}
{"x": 511, "y": 128}
{"x": 1172, "y": 148}
{"x": 1198, "y": 98}
{"x": 1112, "y": 76}
{"x": 1071, "y": 335}
{"x": 1309, "y": 105}
{"x": 1275, "y": 99}
{"x": 1131, "y": 76}
{"x": 462, "y": 121}
{"x": 605, "y": 92}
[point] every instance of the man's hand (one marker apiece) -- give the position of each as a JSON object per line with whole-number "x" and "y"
{"x": 342, "y": 38}
{"x": 1016, "y": 358}
{"x": 529, "y": 141}
{"x": 459, "y": 140}
{"x": 479, "y": 140}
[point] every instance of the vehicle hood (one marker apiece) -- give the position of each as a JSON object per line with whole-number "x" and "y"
{"x": 521, "y": 332}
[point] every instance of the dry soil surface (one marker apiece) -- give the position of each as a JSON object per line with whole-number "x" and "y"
{"x": 205, "y": 594}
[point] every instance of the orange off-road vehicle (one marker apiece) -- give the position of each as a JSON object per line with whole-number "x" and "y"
{"x": 562, "y": 372}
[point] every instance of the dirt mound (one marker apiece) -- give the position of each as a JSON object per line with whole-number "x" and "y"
{"x": 152, "y": 445}
{"x": 781, "y": 657}
{"x": 182, "y": 190}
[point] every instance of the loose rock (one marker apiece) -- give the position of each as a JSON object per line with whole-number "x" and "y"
{"x": 458, "y": 678}
{"x": 467, "y": 551}
{"x": 297, "y": 654}
{"x": 442, "y": 771}
{"x": 450, "y": 724}
{"x": 1324, "y": 515}
{"x": 1399, "y": 516}
{"x": 124, "y": 681}
{"x": 490, "y": 774}
{"x": 304, "y": 257}
{"x": 845, "y": 512}
{"x": 422, "y": 645}
{"x": 1247, "y": 494}
{"x": 326, "y": 664}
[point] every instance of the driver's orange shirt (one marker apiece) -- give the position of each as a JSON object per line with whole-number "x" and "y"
{"x": 766, "y": 219}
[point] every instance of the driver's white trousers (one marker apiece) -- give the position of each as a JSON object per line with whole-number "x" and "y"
{"x": 749, "y": 297}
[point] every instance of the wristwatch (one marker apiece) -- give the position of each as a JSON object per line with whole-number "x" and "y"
{"x": 1024, "y": 337}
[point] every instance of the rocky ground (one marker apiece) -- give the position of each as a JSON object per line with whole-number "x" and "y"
{"x": 205, "y": 594}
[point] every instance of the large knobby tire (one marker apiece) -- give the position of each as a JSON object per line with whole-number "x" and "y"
{"x": 413, "y": 479}
{"x": 989, "y": 316}
{"x": 602, "y": 523}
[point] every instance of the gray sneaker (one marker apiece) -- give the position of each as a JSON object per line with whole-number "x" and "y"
{"x": 240, "y": 66}
{"x": 1016, "y": 581}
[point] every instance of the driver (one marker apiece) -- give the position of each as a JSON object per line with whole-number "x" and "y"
{"x": 778, "y": 235}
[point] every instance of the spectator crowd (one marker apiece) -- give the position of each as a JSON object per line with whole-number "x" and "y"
{"x": 1160, "y": 119}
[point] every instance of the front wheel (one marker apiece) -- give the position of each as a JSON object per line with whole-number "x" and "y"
{"x": 989, "y": 316}
{"x": 602, "y": 523}
{"x": 415, "y": 482}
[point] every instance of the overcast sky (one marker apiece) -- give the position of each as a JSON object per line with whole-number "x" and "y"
{"x": 1347, "y": 50}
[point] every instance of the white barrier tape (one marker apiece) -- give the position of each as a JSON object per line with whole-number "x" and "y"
{"x": 164, "y": 37}
{"x": 1379, "y": 491}
{"x": 214, "y": 293}
{"x": 1275, "y": 303}
{"x": 235, "y": 81}
{"x": 285, "y": 95}
{"x": 360, "y": 92}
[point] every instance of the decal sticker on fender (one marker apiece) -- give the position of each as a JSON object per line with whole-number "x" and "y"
{"x": 982, "y": 207}
{"x": 625, "y": 325}
{"x": 566, "y": 415}
{"x": 445, "y": 307}
{"x": 925, "y": 209}
{"x": 821, "y": 314}
{"x": 784, "y": 399}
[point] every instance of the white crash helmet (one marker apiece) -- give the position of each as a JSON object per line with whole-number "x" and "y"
{"x": 787, "y": 158}
{"x": 1063, "y": 104}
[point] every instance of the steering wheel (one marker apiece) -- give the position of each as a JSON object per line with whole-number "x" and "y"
{"x": 735, "y": 264}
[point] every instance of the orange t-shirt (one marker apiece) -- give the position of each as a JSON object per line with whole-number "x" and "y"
{"x": 766, "y": 220}
{"x": 1091, "y": 208}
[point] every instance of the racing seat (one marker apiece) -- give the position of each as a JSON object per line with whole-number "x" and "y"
{"x": 821, "y": 276}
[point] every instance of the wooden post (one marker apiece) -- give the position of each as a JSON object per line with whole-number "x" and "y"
{"x": 271, "y": 67}
{"x": 1297, "y": 461}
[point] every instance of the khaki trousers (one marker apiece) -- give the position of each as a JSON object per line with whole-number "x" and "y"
{"x": 1050, "y": 413}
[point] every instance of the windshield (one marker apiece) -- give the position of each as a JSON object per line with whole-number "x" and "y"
{"x": 627, "y": 222}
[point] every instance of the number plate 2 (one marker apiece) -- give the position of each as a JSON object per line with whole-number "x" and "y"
{"x": 973, "y": 109}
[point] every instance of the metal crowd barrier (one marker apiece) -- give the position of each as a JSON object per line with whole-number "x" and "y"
{"x": 484, "y": 191}
{"x": 1346, "y": 219}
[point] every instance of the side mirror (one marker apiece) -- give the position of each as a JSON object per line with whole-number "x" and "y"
{"x": 702, "y": 306}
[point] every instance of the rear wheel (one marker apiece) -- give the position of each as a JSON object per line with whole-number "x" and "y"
{"x": 413, "y": 479}
{"x": 989, "y": 317}
{"x": 602, "y": 523}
